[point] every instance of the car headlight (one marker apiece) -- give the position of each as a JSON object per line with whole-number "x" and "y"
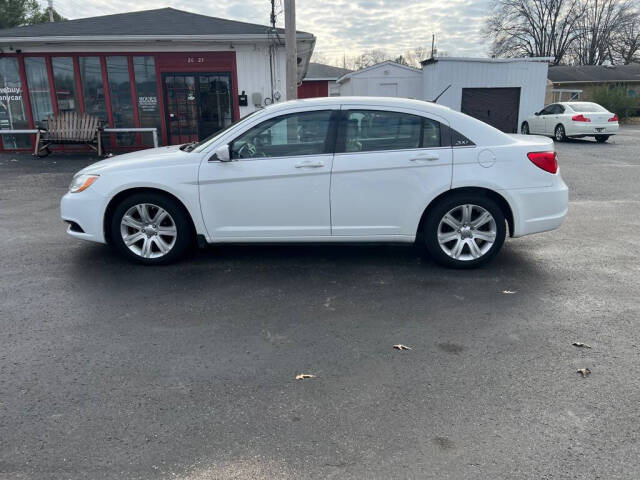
{"x": 82, "y": 182}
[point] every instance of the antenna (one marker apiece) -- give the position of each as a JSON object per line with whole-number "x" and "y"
{"x": 435, "y": 100}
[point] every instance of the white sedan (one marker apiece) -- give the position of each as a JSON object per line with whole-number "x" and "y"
{"x": 572, "y": 120}
{"x": 334, "y": 169}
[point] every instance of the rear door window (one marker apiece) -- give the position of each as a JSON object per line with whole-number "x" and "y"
{"x": 377, "y": 130}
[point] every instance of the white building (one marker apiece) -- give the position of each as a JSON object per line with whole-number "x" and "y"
{"x": 386, "y": 79}
{"x": 501, "y": 92}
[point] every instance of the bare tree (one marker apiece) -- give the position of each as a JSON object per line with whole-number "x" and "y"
{"x": 318, "y": 57}
{"x": 626, "y": 41}
{"x": 533, "y": 28}
{"x": 415, "y": 56}
{"x": 597, "y": 28}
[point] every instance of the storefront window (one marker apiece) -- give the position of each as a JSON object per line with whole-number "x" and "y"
{"x": 12, "y": 111}
{"x": 64, "y": 84}
{"x": 39, "y": 91}
{"x": 92, "y": 87}
{"x": 121, "y": 102}
{"x": 147, "y": 92}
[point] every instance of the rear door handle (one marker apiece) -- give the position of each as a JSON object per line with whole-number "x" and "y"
{"x": 428, "y": 157}
{"x": 310, "y": 164}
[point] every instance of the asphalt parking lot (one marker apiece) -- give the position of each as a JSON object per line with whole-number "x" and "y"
{"x": 112, "y": 370}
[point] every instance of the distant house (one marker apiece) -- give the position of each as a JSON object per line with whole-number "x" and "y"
{"x": 578, "y": 82}
{"x": 321, "y": 81}
{"x": 186, "y": 74}
{"x": 385, "y": 79}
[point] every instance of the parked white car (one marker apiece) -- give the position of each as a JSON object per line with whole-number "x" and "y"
{"x": 334, "y": 169}
{"x": 572, "y": 120}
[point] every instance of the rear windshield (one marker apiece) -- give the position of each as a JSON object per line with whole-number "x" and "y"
{"x": 584, "y": 107}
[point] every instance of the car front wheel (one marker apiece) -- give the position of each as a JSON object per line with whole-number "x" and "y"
{"x": 150, "y": 228}
{"x": 465, "y": 231}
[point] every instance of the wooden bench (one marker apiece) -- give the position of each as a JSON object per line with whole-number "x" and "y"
{"x": 69, "y": 128}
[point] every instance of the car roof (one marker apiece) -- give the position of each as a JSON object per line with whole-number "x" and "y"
{"x": 365, "y": 101}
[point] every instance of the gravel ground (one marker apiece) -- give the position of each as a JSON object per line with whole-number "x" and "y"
{"x": 116, "y": 371}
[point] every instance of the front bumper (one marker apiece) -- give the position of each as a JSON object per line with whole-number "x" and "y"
{"x": 538, "y": 210}
{"x": 590, "y": 129}
{"x": 85, "y": 209}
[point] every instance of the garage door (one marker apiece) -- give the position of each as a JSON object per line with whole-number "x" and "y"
{"x": 498, "y": 107}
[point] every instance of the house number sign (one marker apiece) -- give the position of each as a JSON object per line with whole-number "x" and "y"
{"x": 195, "y": 59}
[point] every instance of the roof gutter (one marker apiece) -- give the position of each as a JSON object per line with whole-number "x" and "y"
{"x": 596, "y": 81}
{"x": 250, "y": 38}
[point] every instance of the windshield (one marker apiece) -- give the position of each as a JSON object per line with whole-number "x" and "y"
{"x": 584, "y": 107}
{"x": 189, "y": 147}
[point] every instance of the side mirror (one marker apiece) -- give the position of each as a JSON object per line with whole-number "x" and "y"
{"x": 222, "y": 153}
{"x": 537, "y": 114}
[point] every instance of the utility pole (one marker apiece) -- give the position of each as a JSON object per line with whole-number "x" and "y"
{"x": 292, "y": 53}
{"x": 51, "y": 10}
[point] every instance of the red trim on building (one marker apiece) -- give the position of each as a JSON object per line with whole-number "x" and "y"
{"x": 78, "y": 80}
{"x": 313, "y": 88}
{"x": 165, "y": 62}
{"x": 161, "y": 105}
{"x": 134, "y": 98}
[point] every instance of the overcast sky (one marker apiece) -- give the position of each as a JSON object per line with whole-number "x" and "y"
{"x": 341, "y": 26}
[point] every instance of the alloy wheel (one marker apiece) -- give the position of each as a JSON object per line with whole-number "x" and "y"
{"x": 467, "y": 232}
{"x": 148, "y": 230}
{"x": 559, "y": 133}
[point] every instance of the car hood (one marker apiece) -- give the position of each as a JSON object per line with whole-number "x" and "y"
{"x": 151, "y": 157}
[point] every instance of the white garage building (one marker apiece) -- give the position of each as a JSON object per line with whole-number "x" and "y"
{"x": 499, "y": 91}
{"x": 385, "y": 79}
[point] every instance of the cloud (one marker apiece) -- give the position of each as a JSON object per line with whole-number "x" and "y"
{"x": 340, "y": 26}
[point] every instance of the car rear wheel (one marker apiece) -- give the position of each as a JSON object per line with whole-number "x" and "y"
{"x": 465, "y": 231}
{"x": 560, "y": 134}
{"x": 525, "y": 128}
{"x": 602, "y": 138}
{"x": 150, "y": 228}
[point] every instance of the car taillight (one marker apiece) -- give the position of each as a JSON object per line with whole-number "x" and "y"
{"x": 547, "y": 161}
{"x": 614, "y": 118}
{"x": 580, "y": 118}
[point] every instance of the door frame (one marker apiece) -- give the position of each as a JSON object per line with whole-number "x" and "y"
{"x": 196, "y": 75}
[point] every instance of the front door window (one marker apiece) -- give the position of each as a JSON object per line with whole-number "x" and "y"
{"x": 198, "y": 104}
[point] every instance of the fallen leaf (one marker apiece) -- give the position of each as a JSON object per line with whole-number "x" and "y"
{"x": 580, "y": 344}
{"x": 509, "y": 292}
{"x": 302, "y": 376}
{"x": 584, "y": 372}
{"x": 401, "y": 347}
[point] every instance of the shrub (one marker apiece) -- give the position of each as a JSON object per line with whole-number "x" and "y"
{"x": 616, "y": 100}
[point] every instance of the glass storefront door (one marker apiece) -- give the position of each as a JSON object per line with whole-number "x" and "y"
{"x": 198, "y": 104}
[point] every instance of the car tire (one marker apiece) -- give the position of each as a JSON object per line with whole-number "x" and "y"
{"x": 560, "y": 134}
{"x": 602, "y": 138}
{"x": 156, "y": 230}
{"x": 453, "y": 218}
{"x": 525, "y": 129}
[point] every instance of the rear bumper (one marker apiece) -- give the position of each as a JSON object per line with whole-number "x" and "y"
{"x": 590, "y": 129}
{"x": 538, "y": 210}
{"x": 86, "y": 209}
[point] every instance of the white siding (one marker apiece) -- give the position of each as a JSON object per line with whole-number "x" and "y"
{"x": 253, "y": 73}
{"x": 530, "y": 76}
{"x": 384, "y": 80}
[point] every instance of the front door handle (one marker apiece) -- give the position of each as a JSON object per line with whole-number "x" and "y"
{"x": 429, "y": 157}
{"x": 310, "y": 164}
